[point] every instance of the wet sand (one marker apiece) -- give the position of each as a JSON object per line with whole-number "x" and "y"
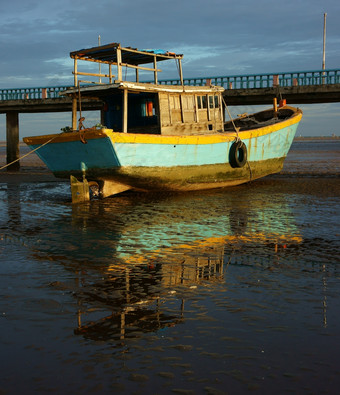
{"x": 32, "y": 168}
{"x": 226, "y": 291}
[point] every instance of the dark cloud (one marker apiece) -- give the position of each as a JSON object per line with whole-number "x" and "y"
{"x": 220, "y": 36}
{"x": 217, "y": 37}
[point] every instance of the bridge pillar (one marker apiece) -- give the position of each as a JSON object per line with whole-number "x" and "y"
{"x": 12, "y": 138}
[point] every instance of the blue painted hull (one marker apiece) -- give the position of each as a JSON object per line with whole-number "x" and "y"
{"x": 168, "y": 162}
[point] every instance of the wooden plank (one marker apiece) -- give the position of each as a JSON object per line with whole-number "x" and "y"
{"x": 92, "y": 82}
{"x": 202, "y": 114}
{"x": 100, "y": 48}
{"x": 180, "y": 71}
{"x": 208, "y": 107}
{"x": 92, "y": 74}
{"x": 221, "y": 107}
{"x": 132, "y": 66}
{"x": 164, "y": 109}
{"x": 196, "y": 109}
{"x": 74, "y": 112}
{"x": 125, "y": 111}
{"x": 155, "y": 70}
{"x": 164, "y": 56}
{"x": 97, "y": 61}
{"x": 169, "y": 108}
{"x": 188, "y": 128}
{"x": 119, "y": 64}
{"x": 75, "y": 73}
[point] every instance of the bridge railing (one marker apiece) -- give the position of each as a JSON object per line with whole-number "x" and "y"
{"x": 251, "y": 81}
{"x": 51, "y": 92}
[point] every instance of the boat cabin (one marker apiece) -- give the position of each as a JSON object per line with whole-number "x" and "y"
{"x": 148, "y": 107}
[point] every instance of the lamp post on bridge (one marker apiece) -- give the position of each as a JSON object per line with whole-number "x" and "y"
{"x": 324, "y": 47}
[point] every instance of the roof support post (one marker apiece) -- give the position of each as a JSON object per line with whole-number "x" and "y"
{"x": 155, "y": 70}
{"x": 74, "y": 112}
{"x": 110, "y": 73}
{"x": 180, "y": 71}
{"x": 125, "y": 110}
{"x": 75, "y": 72}
{"x": 119, "y": 63}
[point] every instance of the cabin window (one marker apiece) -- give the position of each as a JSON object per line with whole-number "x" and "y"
{"x": 217, "y": 102}
{"x": 202, "y": 102}
{"x": 199, "y": 102}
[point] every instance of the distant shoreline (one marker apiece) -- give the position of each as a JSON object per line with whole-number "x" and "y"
{"x": 306, "y": 138}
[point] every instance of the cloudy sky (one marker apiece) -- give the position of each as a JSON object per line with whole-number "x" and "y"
{"x": 217, "y": 37}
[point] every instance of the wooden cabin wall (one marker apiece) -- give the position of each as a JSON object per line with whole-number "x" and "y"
{"x": 188, "y": 108}
{"x": 190, "y": 113}
{"x": 175, "y": 109}
{"x": 164, "y": 109}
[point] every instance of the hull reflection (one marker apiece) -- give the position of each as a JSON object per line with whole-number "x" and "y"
{"x": 134, "y": 255}
{"x": 154, "y": 254}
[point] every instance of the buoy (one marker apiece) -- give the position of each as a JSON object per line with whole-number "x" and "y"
{"x": 149, "y": 108}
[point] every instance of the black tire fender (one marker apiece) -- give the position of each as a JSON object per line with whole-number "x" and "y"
{"x": 238, "y": 154}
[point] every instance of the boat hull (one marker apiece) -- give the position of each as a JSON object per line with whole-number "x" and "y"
{"x": 156, "y": 162}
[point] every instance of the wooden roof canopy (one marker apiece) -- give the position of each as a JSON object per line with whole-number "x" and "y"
{"x": 110, "y": 54}
{"x": 115, "y": 54}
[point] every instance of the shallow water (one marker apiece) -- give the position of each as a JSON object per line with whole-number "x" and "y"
{"x": 227, "y": 291}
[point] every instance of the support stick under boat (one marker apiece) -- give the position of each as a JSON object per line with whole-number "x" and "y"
{"x": 79, "y": 190}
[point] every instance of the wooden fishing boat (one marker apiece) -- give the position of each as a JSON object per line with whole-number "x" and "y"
{"x": 158, "y": 136}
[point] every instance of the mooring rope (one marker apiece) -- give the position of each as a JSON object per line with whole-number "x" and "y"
{"x": 31, "y": 152}
{"x": 238, "y": 137}
{"x": 231, "y": 119}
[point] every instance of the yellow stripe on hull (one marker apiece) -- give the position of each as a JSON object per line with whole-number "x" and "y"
{"x": 137, "y": 138}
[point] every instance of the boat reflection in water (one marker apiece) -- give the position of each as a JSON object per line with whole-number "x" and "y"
{"x": 136, "y": 297}
{"x": 135, "y": 259}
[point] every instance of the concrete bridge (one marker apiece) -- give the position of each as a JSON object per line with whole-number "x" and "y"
{"x": 301, "y": 87}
